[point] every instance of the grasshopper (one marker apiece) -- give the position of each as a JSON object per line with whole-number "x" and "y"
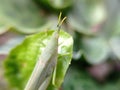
{"x": 46, "y": 65}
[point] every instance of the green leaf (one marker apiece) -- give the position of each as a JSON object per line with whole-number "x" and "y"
{"x": 22, "y": 59}
{"x": 64, "y": 57}
{"x": 23, "y": 15}
{"x": 87, "y": 15}
{"x": 95, "y": 50}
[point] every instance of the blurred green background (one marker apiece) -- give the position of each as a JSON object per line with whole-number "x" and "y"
{"x": 94, "y": 25}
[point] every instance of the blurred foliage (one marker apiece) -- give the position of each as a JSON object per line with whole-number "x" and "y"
{"x": 22, "y": 15}
{"x": 94, "y": 25}
{"x": 55, "y": 5}
{"x": 79, "y": 79}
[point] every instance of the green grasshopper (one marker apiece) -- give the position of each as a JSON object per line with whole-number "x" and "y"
{"x": 45, "y": 67}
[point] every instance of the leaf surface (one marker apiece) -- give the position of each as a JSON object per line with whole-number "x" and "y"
{"x": 22, "y": 58}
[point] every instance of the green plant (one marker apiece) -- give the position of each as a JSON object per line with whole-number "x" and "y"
{"x": 93, "y": 24}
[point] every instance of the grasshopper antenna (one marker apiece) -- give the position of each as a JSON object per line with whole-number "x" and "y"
{"x": 60, "y": 22}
